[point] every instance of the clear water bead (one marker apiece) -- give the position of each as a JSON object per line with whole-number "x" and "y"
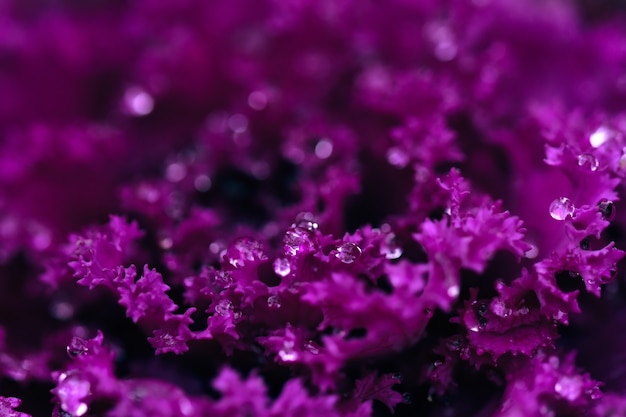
{"x": 479, "y": 321}
{"x": 176, "y": 172}
{"x": 77, "y": 347}
{"x": 62, "y": 310}
{"x": 166, "y": 243}
{"x": 601, "y": 135}
{"x": 308, "y": 225}
{"x": 298, "y": 241}
{"x": 453, "y": 291}
{"x": 138, "y": 102}
{"x": 224, "y": 307}
{"x": 244, "y": 250}
{"x": 594, "y": 393}
{"x": 306, "y": 220}
{"x": 223, "y": 279}
{"x": 257, "y": 100}
{"x": 282, "y": 267}
{"x": 238, "y": 123}
{"x": 311, "y": 347}
{"x": 397, "y": 157}
{"x": 562, "y": 208}
{"x": 607, "y": 209}
{"x": 588, "y": 161}
{"x": 202, "y": 183}
{"x": 455, "y": 343}
{"x": 347, "y": 252}
{"x": 323, "y": 149}
{"x": 273, "y": 302}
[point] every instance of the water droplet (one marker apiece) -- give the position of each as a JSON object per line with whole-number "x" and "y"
{"x": 137, "y": 102}
{"x": 244, "y": 250}
{"x": 257, "y": 100}
{"x": 445, "y": 50}
{"x": 562, "y": 208}
{"x": 397, "y": 157}
{"x": 443, "y": 39}
{"x": 176, "y": 172}
{"x": 480, "y": 310}
{"x": 584, "y": 244}
{"x": 273, "y": 302}
{"x": 299, "y": 241}
{"x": 166, "y": 243}
{"x": 311, "y": 347}
{"x": 594, "y": 393}
{"x": 282, "y": 267}
{"x": 62, "y": 310}
{"x": 176, "y": 203}
{"x": 223, "y": 279}
{"x": 390, "y": 248}
{"x": 148, "y": 193}
{"x": 166, "y": 340}
{"x": 77, "y": 347}
{"x": 224, "y": 307}
{"x": 215, "y": 248}
{"x": 238, "y": 123}
{"x": 71, "y": 390}
{"x": 323, "y": 149}
{"x": 306, "y": 220}
{"x": 397, "y": 376}
{"x": 588, "y": 161}
{"x": 437, "y": 364}
{"x": 453, "y": 291}
{"x": 308, "y": 225}
{"x": 347, "y": 252}
{"x": 597, "y": 138}
{"x": 455, "y": 343}
{"x": 202, "y": 183}
{"x": 407, "y": 398}
{"x": 607, "y": 209}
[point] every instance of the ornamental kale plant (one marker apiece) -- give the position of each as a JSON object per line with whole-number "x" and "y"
{"x": 312, "y": 208}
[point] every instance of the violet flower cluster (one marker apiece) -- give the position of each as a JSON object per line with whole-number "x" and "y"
{"x": 312, "y": 208}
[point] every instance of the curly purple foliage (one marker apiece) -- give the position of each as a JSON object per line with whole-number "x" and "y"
{"x": 312, "y": 207}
